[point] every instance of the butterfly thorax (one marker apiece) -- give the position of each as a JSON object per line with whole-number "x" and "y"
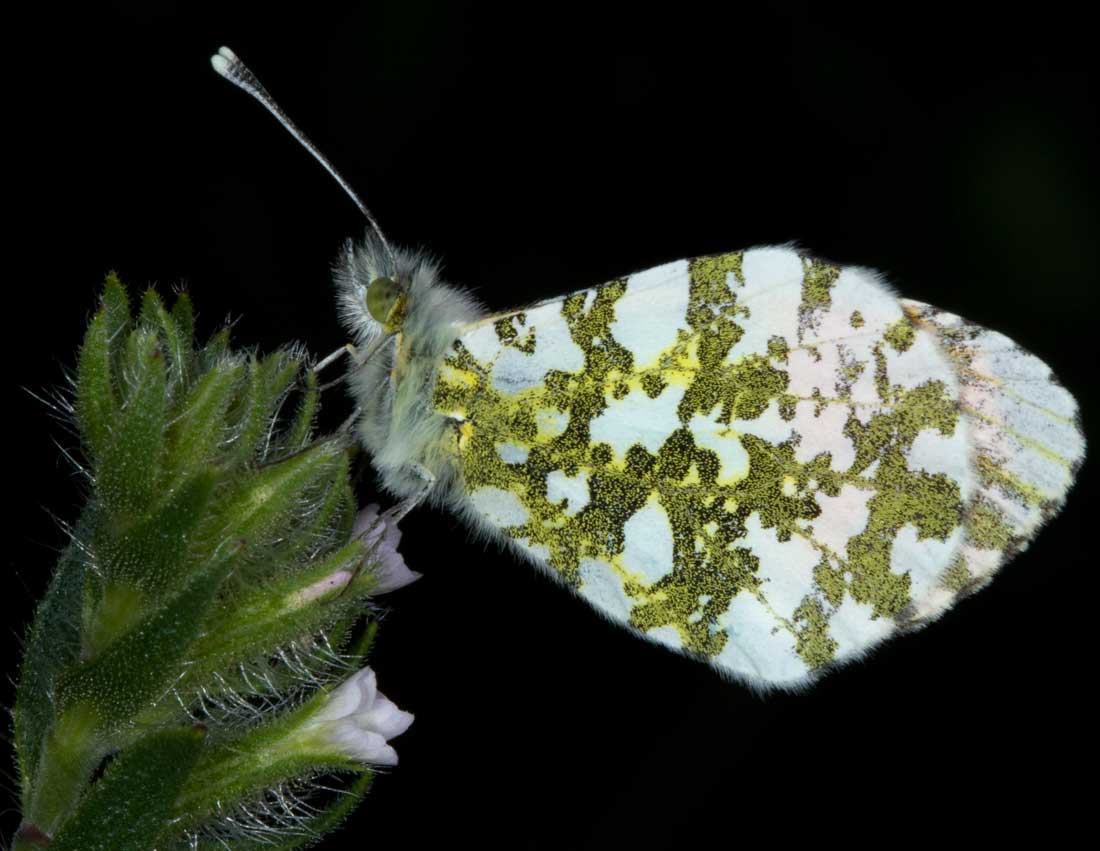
{"x": 401, "y": 348}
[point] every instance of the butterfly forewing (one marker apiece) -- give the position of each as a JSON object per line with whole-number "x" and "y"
{"x": 759, "y": 459}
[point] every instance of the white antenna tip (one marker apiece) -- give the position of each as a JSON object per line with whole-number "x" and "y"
{"x": 223, "y": 60}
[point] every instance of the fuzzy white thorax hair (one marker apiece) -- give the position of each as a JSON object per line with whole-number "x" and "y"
{"x": 393, "y": 388}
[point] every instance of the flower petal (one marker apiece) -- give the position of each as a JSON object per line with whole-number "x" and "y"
{"x": 391, "y": 573}
{"x": 321, "y": 587}
{"x": 340, "y": 703}
{"x": 381, "y": 540}
{"x": 387, "y": 719}
{"x": 365, "y": 521}
{"x": 357, "y": 720}
{"x": 383, "y": 755}
{"x": 367, "y": 681}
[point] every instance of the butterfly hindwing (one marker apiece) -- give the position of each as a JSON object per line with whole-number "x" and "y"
{"x": 756, "y": 458}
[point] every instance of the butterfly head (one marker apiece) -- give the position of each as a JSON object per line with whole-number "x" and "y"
{"x": 374, "y": 286}
{"x": 386, "y": 300}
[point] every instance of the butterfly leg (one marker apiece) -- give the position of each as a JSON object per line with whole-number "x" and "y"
{"x": 347, "y": 427}
{"x": 427, "y": 479}
{"x": 332, "y": 357}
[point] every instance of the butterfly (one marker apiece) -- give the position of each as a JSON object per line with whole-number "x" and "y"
{"x": 760, "y": 459}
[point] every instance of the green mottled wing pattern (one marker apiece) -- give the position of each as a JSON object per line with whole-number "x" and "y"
{"x": 761, "y": 460}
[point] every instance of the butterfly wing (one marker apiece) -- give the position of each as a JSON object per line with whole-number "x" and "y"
{"x": 759, "y": 459}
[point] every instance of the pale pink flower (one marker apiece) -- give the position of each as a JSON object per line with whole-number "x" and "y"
{"x": 322, "y": 587}
{"x": 389, "y": 570}
{"x": 358, "y": 720}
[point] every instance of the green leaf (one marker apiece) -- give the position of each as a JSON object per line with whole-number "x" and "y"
{"x": 153, "y": 554}
{"x": 325, "y": 821}
{"x": 52, "y": 644}
{"x": 237, "y": 769}
{"x": 97, "y": 392}
{"x": 268, "y": 382}
{"x": 138, "y": 667}
{"x": 128, "y": 470}
{"x": 200, "y": 429}
{"x": 270, "y": 499}
{"x": 96, "y": 402}
{"x": 175, "y": 342}
{"x": 116, "y": 304}
{"x": 361, "y": 646}
{"x": 263, "y": 619}
{"x": 151, "y": 309}
{"x": 217, "y": 348}
{"x": 130, "y": 807}
{"x": 71, "y": 750}
{"x": 307, "y": 413}
{"x": 183, "y": 314}
{"x": 325, "y": 520}
{"x": 334, "y": 815}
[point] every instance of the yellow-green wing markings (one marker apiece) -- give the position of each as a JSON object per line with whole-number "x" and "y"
{"x": 1027, "y": 445}
{"x": 756, "y": 458}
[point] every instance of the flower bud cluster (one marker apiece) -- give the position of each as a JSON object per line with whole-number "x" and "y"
{"x": 201, "y": 643}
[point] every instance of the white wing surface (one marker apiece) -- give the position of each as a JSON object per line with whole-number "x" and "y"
{"x": 759, "y": 459}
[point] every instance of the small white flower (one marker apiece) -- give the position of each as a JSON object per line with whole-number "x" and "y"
{"x": 381, "y": 539}
{"x": 387, "y": 566}
{"x": 358, "y": 720}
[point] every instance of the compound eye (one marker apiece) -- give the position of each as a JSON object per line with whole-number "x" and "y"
{"x": 381, "y": 297}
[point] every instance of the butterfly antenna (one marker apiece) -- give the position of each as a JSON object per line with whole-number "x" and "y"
{"x": 226, "y": 63}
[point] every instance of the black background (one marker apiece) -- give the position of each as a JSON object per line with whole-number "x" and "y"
{"x": 537, "y": 152}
